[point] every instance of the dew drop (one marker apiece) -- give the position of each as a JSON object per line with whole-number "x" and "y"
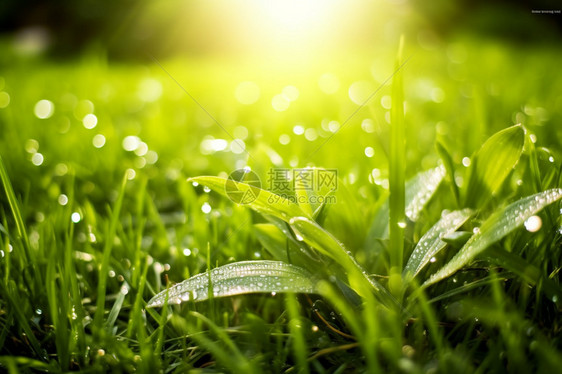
{"x": 533, "y": 223}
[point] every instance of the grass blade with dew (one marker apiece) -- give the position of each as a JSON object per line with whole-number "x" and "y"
{"x": 492, "y": 163}
{"x": 430, "y": 244}
{"x": 237, "y": 279}
{"x": 419, "y": 190}
{"x": 495, "y": 228}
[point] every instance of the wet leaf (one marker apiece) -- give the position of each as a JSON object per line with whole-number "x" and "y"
{"x": 419, "y": 191}
{"x": 237, "y": 279}
{"x": 430, "y": 244}
{"x": 495, "y": 228}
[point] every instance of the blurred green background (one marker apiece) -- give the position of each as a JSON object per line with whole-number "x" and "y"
{"x": 81, "y": 91}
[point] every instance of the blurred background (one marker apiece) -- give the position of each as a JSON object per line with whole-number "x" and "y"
{"x": 94, "y": 88}
{"x": 128, "y": 29}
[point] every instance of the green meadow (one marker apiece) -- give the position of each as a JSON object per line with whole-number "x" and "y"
{"x": 432, "y": 243}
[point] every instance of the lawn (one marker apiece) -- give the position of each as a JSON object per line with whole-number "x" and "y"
{"x": 434, "y": 248}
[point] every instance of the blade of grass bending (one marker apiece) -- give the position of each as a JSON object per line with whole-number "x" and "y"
{"x": 360, "y": 281}
{"x": 240, "y": 278}
{"x": 100, "y": 304}
{"x": 495, "y": 228}
{"x": 265, "y": 203}
{"x": 397, "y": 172}
{"x": 430, "y": 244}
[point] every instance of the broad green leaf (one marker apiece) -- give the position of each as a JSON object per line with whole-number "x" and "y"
{"x": 265, "y": 202}
{"x": 495, "y": 228}
{"x": 430, "y": 244}
{"x": 491, "y": 165}
{"x": 239, "y": 278}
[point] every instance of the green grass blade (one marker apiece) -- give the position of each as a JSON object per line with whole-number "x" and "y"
{"x": 117, "y": 305}
{"x": 28, "y": 258}
{"x": 528, "y": 272}
{"x": 492, "y": 164}
{"x": 495, "y": 228}
{"x": 240, "y": 278}
{"x": 296, "y": 328}
{"x": 265, "y": 203}
{"x": 430, "y": 244}
{"x": 14, "y": 207}
{"x": 104, "y": 268}
{"x": 315, "y": 236}
{"x": 420, "y": 189}
{"x": 282, "y": 247}
{"x": 397, "y": 171}
{"x": 231, "y": 356}
{"x": 449, "y": 167}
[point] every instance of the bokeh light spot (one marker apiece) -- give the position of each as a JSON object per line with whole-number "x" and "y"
{"x": 98, "y": 141}
{"x": 360, "y": 91}
{"x": 131, "y": 142}
{"x": 329, "y": 83}
{"x": 4, "y": 99}
{"x": 150, "y": 90}
{"x": 291, "y": 93}
{"x": 44, "y": 109}
{"x": 90, "y": 121}
{"x": 247, "y": 93}
{"x": 280, "y": 103}
{"x": 37, "y": 159}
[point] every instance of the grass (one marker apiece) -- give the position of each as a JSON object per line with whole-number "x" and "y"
{"x": 91, "y": 234}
